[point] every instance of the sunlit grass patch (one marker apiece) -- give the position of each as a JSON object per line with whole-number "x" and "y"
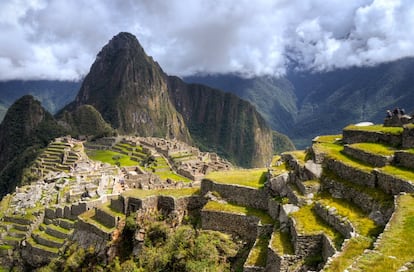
{"x": 258, "y": 253}
{"x": 375, "y": 148}
{"x": 111, "y": 157}
{"x": 328, "y": 138}
{"x": 395, "y": 248}
{"x": 406, "y": 174}
{"x": 233, "y": 208}
{"x": 248, "y": 177}
{"x": 308, "y": 222}
{"x": 377, "y": 128}
{"x": 282, "y": 242}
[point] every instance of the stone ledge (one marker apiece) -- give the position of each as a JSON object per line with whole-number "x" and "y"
{"x": 393, "y": 185}
{"x": 330, "y": 216}
{"x": 373, "y": 159}
{"x": 404, "y": 159}
{"x": 350, "y": 173}
{"x": 361, "y": 136}
{"x": 240, "y": 195}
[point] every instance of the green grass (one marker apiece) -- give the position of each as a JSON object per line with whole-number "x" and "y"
{"x": 87, "y": 217}
{"x": 395, "y": 248}
{"x": 398, "y": 172}
{"x": 300, "y": 155}
{"x": 4, "y": 205}
{"x": 374, "y": 148}
{"x": 282, "y": 242}
{"x": 49, "y": 237}
{"x": 377, "y": 128}
{"x": 166, "y": 192}
{"x": 334, "y": 151}
{"x": 375, "y": 193}
{"x": 247, "y": 177}
{"x": 107, "y": 155}
{"x": 362, "y": 224}
{"x": 258, "y": 253}
{"x": 352, "y": 250}
{"x": 308, "y": 222}
{"x": 233, "y": 208}
{"x": 46, "y": 248}
{"x": 171, "y": 175}
{"x": 328, "y": 138}
{"x": 107, "y": 209}
{"x": 411, "y": 150}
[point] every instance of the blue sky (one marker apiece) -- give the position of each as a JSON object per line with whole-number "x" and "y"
{"x": 59, "y": 39}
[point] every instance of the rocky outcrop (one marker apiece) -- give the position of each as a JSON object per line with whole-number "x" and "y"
{"x": 129, "y": 89}
{"x": 223, "y": 122}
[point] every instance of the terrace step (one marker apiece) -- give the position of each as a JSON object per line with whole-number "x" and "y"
{"x": 48, "y": 240}
{"x": 257, "y": 258}
{"x": 376, "y": 155}
{"x": 309, "y": 186}
{"x": 65, "y": 223}
{"x": 56, "y": 231}
{"x": 47, "y": 250}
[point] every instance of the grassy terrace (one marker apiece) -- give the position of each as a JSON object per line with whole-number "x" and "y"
{"x": 377, "y": 128}
{"x": 107, "y": 209}
{"x": 45, "y": 248}
{"x": 376, "y": 194}
{"x": 165, "y": 192}
{"x": 88, "y": 217}
{"x": 254, "y": 178}
{"x": 49, "y": 237}
{"x": 362, "y": 224}
{"x": 282, "y": 242}
{"x": 350, "y": 252}
{"x": 398, "y": 172}
{"x": 107, "y": 156}
{"x": 300, "y": 155}
{"x": 374, "y": 148}
{"x": 308, "y": 222}
{"x": 333, "y": 151}
{"x": 4, "y": 205}
{"x": 233, "y": 208}
{"x": 328, "y": 138}
{"x": 395, "y": 247}
{"x": 258, "y": 253}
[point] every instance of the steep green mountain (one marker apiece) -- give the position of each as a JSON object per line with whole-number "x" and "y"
{"x": 27, "y": 127}
{"x": 133, "y": 94}
{"x": 129, "y": 89}
{"x": 303, "y": 104}
{"x": 86, "y": 121}
{"x": 223, "y": 122}
{"x": 53, "y": 94}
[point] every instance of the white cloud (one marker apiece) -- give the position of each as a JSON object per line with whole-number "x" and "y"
{"x": 60, "y": 39}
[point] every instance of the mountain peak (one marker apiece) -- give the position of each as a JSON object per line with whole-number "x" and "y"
{"x": 123, "y": 42}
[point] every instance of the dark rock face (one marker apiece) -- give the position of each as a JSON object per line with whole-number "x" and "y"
{"x": 129, "y": 89}
{"x": 135, "y": 96}
{"x": 26, "y": 128}
{"x": 223, "y": 122}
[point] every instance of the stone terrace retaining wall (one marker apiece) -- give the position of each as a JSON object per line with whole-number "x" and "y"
{"x": 36, "y": 256}
{"x": 370, "y": 158}
{"x": 238, "y": 224}
{"x": 404, "y": 159}
{"x": 408, "y": 137}
{"x": 105, "y": 219}
{"x": 90, "y": 228}
{"x": 350, "y": 173}
{"x": 367, "y": 203}
{"x": 304, "y": 245}
{"x": 328, "y": 249}
{"x": 330, "y": 216}
{"x": 360, "y": 136}
{"x": 276, "y": 262}
{"x": 241, "y": 195}
{"x": 393, "y": 185}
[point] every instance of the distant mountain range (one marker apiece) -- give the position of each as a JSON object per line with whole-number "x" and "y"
{"x": 303, "y": 105}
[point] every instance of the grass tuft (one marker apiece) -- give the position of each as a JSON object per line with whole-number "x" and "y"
{"x": 247, "y": 177}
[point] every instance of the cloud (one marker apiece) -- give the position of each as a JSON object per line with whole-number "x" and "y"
{"x": 60, "y": 39}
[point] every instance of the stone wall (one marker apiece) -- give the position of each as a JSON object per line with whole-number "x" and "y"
{"x": 166, "y": 204}
{"x": 350, "y": 173}
{"x": 277, "y": 262}
{"x": 273, "y": 208}
{"x": 330, "y": 216}
{"x": 328, "y": 249}
{"x": 105, "y": 218}
{"x": 360, "y": 136}
{"x": 36, "y": 256}
{"x": 236, "y": 224}
{"x": 366, "y": 202}
{"x": 408, "y": 137}
{"x": 305, "y": 245}
{"x": 117, "y": 204}
{"x": 92, "y": 229}
{"x": 404, "y": 159}
{"x": 373, "y": 159}
{"x": 393, "y": 185}
{"x": 241, "y": 195}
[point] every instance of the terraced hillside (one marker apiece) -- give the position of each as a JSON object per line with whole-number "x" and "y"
{"x": 344, "y": 204}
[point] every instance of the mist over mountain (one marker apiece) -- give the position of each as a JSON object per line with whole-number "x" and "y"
{"x": 53, "y": 94}
{"x": 304, "y": 104}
